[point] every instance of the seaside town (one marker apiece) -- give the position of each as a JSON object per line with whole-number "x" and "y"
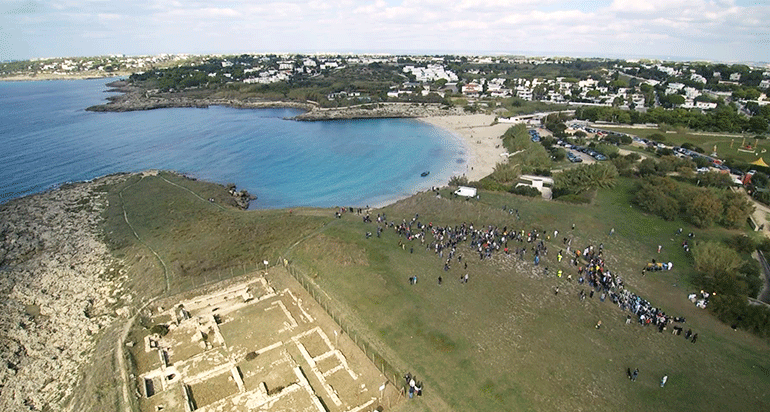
{"x": 477, "y": 83}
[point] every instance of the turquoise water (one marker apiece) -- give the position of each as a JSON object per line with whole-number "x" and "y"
{"x": 48, "y": 138}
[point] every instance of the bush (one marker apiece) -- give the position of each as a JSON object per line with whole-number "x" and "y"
{"x": 690, "y": 146}
{"x": 525, "y": 191}
{"x": 715, "y": 179}
{"x": 657, "y": 137}
{"x": 160, "y": 329}
{"x": 742, "y": 243}
{"x": 764, "y": 245}
{"x": 582, "y": 198}
{"x": 585, "y": 177}
{"x": 558, "y": 155}
{"x": 488, "y": 183}
{"x": 633, "y": 156}
{"x": 458, "y": 181}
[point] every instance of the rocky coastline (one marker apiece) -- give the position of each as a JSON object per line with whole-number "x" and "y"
{"x": 380, "y": 111}
{"x": 133, "y": 98}
{"x": 59, "y": 288}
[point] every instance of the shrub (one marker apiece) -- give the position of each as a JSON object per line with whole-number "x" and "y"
{"x": 160, "y": 329}
{"x": 525, "y": 191}
{"x": 585, "y": 177}
{"x": 458, "y": 181}
{"x": 658, "y": 137}
{"x": 488, "y": 183}
{"x": 764, "y": 245}
{"x": 742, "y": 243}
{"x": 690, "y": 146}
{"x": 633, "y": 156}
{"x": 582, "y": 198}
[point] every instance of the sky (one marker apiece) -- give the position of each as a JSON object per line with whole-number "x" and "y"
{"x": 714, "y": 30}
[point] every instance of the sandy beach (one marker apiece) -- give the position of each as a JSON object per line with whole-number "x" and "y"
{"x": 482, "y": 139}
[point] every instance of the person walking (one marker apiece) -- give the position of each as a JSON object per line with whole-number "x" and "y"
{"x": 634, "y": 375}
{"x": 663, "y": 381}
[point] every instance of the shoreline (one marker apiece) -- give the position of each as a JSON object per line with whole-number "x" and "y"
{"x": 479, "y": 136}
{"x": 53, "y": 77}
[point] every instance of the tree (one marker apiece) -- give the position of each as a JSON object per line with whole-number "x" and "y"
{"x": 647, "y": 167}
{"x": 714, "y": 258}
{"x": 676, "y": 99}
{"x": 758, "y": 124}
{"x": 701, "y": 206}
{"x": 736, "y": 209}
{"x": 715, "y": 179}
{"x": 653, "y": 194}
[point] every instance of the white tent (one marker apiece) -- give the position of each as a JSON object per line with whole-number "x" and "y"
{"x": 466, "y": 191}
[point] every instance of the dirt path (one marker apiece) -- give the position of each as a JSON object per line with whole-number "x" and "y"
{"x": 760, "y": 216}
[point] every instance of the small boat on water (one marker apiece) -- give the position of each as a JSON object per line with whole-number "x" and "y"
{"x": 423, "y": 174}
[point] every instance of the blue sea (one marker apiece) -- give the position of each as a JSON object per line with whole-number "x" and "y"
{"x": 48, "y": 138}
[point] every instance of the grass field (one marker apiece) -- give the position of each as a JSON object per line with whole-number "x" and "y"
{"x": 504, "y": 340}
{"x": 727, "y": 145}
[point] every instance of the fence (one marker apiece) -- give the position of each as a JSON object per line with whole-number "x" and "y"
{"x": 390, "y": 373}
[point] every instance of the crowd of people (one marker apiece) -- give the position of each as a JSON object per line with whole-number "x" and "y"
{"x": 587, "y": 263}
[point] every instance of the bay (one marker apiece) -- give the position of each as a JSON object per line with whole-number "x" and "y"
{"x": 48, "y": 138}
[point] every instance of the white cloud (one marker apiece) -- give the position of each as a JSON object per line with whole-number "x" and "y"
{"x": 692, "y": 28}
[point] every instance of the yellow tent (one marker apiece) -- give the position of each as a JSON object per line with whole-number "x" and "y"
{"x": 759, "y": 162}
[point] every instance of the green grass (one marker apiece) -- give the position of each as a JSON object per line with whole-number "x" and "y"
{"x": 504, "y": 341}
{"x": 727, "y": 145}
{"x": 198, "y": 241}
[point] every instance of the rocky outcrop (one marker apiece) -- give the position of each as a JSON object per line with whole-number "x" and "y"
{"x": 381, "y": 110}
{"x": 242, "y": 197}
{"x": 56, "y": 292}
{"x": 135, "y": 98}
